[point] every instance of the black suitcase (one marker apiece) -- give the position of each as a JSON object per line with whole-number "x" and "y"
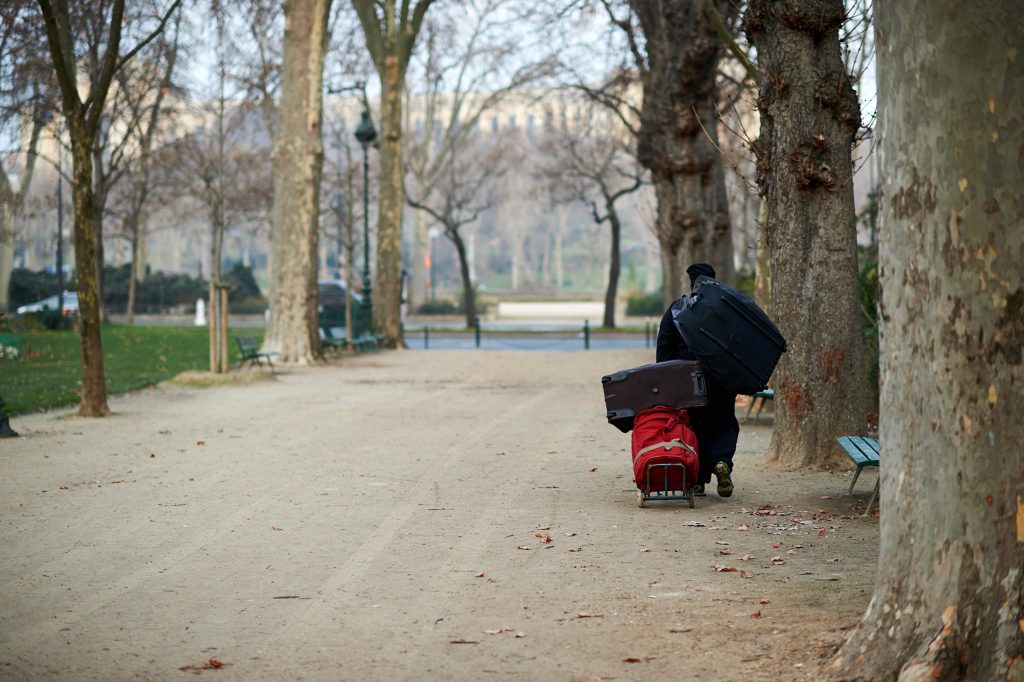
{"x": 674, "y": 383}
{"x": 735, "y": 341}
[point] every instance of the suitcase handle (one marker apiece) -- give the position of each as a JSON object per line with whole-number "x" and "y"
{"x": 699, "y": 388}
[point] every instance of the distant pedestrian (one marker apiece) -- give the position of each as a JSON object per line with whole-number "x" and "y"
{"x": 715, "y": 425}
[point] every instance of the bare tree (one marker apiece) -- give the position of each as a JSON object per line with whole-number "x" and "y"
{"x": 83, "y": 121}
{"x": 676, "y": 47}
{"x": 949, "y": 598}
{"x": 27, "y": 104}
{"x": 390, "y": 29}
{"x": 809, "y": 117}
{"x": 470, "y": 65}
{"x": 594, "y": 164}
{"x": 145, "y": 95}
{"x": 458, "y": 197}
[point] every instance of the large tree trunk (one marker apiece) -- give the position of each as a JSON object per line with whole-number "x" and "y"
{"x": 809, "y": 116}
{"x": 387, "y": 313}
{"x": 678, "y": 140}
{"x": 94, "y": 385}
{"x": 298, "y": 159}
{"x": 949, "y": 601}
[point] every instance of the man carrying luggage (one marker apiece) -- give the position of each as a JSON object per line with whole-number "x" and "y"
{"x": 715, "y": 425}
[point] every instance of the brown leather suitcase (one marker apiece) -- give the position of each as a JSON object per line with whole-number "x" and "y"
{"x": 674, "y": 383}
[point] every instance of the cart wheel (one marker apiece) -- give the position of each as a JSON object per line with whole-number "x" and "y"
{"x": 691, "y": 500}
{"x": 639, "y": 499}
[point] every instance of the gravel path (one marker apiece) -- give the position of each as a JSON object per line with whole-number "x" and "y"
{"x": 378, "y": 519}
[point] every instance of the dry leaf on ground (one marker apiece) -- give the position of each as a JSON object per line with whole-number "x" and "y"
{"x": 724, "y": 569}
{"x": 209, "y": 664}
{"x": 742, "y": 528}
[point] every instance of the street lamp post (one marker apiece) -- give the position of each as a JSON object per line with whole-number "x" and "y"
{"x": 366, "y": 134}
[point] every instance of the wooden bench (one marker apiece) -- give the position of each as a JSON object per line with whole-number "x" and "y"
{"x": 250, "y": 352}
{"x": 765, "y": 395}
{"x": 864, "y": 453}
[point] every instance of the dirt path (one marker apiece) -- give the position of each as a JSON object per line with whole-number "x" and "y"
{"x": 357, "y": 521}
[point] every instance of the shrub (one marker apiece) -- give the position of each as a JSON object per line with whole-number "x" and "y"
{"x": 645, "y": 305}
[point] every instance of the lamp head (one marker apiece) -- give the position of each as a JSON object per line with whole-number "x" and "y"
{"x": 365, "y": 132}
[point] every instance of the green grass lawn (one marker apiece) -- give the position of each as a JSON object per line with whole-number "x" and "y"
{"x": 49, "y": 373}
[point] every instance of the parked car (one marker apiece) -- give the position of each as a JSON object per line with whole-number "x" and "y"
{"x": 331, "y": 300}
{"x": 70, "y": 305}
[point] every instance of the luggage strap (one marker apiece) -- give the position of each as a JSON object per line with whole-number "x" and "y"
{"x": 668, "y": 445}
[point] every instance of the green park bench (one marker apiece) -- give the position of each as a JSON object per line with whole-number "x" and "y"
{"x": 764, "y": 396}
{"x": 250, "y": 352}
{"x": 329, "y": 340}
{"x": 864, "y": 453}
{"x": 10, "y": 347}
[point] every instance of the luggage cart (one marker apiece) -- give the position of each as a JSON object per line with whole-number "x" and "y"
{"x": 645, "y": 494}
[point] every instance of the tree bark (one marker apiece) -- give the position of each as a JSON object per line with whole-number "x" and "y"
{"x": 298, "y": 160}
{"x": 678, "y": 139}
{"x": 468, "y": 294}
{"x": 94, "y": 383}
{"x": 614, "y": 264}
{"x": 809, "y": 116}
{"x": 387, "y": 293}
{"x": 949, "y": 600}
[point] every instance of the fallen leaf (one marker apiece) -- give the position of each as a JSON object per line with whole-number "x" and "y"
{"x": 575, "y": 549}
{"x": 790, "y": 551}
{"x": 725, "y": 552}
{"x": 520, "y": 635}
{"x": 498, "y": 631}
{"x": 209, "y": 664}
{"x": 826, "y": 497}
{"x": 644, "y": 549}
{"x": 463, "y": 641}
{"x": 721, "y": 542}
{"x": 547, "y": 540}
{"x": 200, "y": 442}
{"x": 480, "y": 574}
{"x": 569, "y": 534}
{"x": 778, "y": 561}
{"x": 724, "y": 569}
{"x": 593, "y": 470}
{"x": 744, "y": 574}
{"x": 274, "y": 526}
{"x": 766, "y": 601}
{"x": 821, "y": 532}
{"x": 741, "y": 528}
{"x": 798, "y": 546}
{"x": 756, "y": 614}
{"x": 522, "y": 547}
{"x": 585, "y": 614}
{"x": 544, "y": 527}
{"x": 746, "y": 557}
{"x": 631, "y": 660}
{"x": 63, "y": 487}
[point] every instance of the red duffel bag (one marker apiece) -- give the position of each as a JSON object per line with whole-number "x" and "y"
{"x": 662, "y": 435}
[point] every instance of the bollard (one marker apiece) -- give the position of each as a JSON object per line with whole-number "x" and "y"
{"x": 586, "y": 334}
{"x": 5, "y": 423}
{"x": 426, "y": 337}
{"x": 476, "y": 326}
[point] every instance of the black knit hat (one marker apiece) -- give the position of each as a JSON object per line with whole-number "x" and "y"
{"x": 698, "y": 269}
